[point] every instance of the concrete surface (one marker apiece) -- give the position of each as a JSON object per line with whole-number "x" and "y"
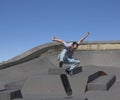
{"x": 102, "y": 83}
{"x": 31, "y": 73}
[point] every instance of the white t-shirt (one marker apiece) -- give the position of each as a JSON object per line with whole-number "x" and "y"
{"x": 69, "y": 50}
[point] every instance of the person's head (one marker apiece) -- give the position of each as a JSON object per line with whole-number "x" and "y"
{"x": 74, "y": 45}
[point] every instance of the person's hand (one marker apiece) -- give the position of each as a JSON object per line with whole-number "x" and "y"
{"x": 88, "y": 33}
{"x": 53, "y": 38}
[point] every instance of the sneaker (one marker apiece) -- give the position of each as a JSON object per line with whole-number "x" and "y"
{"x": 60, "y": 64}
{"x": 68, "y": 71}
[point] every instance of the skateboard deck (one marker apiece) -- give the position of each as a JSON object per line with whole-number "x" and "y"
{"x": 66, "y": 84}
{"x": 76, "y": 70}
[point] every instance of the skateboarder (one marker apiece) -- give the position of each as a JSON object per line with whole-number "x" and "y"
{"x": 65, "y": 57}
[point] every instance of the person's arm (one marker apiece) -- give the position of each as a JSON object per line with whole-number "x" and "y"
{"x": 57, "y": 40}
{"x": 82, "y": 39}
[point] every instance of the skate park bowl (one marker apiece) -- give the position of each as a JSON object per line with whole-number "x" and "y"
{"x": 35, "y": 74}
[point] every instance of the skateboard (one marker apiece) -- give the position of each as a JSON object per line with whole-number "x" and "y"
{"x": 74, "y": 71}
{"x": 66, "y": 84}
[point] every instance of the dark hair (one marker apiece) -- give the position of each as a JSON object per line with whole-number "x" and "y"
{"x": 75, "y": 43}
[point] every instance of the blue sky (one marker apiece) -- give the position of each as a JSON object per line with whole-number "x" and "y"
{"x": 25, "y": 24}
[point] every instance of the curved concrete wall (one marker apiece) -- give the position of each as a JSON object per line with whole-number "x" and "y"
{"x": 54, "y": 47}
{"x": 29, "y": 73}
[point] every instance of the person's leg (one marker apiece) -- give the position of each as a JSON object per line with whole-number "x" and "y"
{"x": 61, "y": 57}
{"x": 74, "y": 63}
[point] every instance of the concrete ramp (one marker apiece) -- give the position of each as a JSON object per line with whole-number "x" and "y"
{"x": 102, "y": 83}
{"x": 38, "y": 86}
{"x": 42, "y": 85}
{"x": 35, "y": 74}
